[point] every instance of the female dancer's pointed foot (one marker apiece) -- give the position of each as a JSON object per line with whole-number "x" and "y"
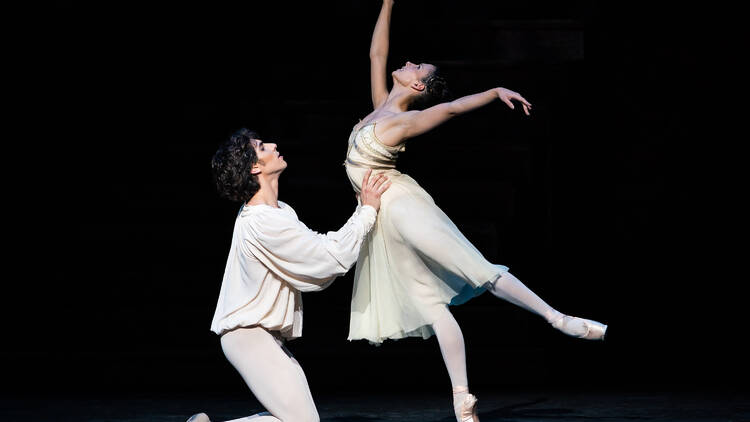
{"x": 580, "y": 328}
{"x": 466, "y": 410}
{"x": 199, "y": 417}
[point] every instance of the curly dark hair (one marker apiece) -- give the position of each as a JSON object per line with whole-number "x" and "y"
{"x": 435, "y": 92}
{"x": 231, "y": 165}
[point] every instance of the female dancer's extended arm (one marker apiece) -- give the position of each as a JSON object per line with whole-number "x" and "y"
{"x": 397, "y": 129}
{"x": 379, "y": 55}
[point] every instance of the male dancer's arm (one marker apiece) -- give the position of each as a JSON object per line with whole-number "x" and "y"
{"x": 308, "y": 260}
{"x": 379, "y": 55}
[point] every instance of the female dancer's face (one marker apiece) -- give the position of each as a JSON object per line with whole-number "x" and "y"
{"x": 411, "y": 73}
{"x": 269, "y": 159}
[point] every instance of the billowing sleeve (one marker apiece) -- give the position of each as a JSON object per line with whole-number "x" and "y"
{"x": 307, "y": 260}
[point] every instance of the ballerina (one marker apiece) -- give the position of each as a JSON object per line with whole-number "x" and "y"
{"x": 415, "y": 262}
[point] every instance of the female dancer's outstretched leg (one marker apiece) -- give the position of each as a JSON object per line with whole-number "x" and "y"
{"x": 437, "y": 240}
{"x": 509, "y": 288}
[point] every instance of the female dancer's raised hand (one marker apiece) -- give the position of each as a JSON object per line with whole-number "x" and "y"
{"x": 372, "y": 188}
{"x": 507, "y": 95}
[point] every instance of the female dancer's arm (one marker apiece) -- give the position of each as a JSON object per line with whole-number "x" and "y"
{"x": 379, "y": 55}
{"x": 397, "y": 129}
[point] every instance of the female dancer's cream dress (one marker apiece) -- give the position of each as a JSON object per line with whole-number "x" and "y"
{"x": 415, "y": 261}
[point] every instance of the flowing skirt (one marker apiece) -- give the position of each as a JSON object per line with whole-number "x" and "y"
{"x": 413, "y": 263}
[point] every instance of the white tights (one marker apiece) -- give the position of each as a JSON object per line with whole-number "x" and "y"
{"x": 509, "y": 288}
{"x": 451, "y": 340}
{"x": 279, "y": 383}
{"x": 273, "y": 375}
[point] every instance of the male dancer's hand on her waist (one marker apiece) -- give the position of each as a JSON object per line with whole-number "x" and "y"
{"x": 372, "y": 188}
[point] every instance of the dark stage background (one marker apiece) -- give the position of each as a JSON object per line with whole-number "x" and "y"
{"x": 600, "y": 201}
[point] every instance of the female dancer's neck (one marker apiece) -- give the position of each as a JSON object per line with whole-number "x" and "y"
{"x": 398, "y": 99}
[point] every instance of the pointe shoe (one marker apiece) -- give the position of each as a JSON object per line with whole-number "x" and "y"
{"x": 199, "y": 417}
{"x": 468, "y": 412}
{"x": 593, "y": 330}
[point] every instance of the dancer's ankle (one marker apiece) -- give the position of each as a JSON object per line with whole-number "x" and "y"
{"x": 553, "y": 315}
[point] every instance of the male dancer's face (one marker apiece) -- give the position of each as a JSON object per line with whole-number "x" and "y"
{"x": 269, "y": 159}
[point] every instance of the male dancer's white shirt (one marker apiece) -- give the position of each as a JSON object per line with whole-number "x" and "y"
{"x": 273, "y": 258}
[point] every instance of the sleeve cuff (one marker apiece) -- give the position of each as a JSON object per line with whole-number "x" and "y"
{"x": 367, "y": 215}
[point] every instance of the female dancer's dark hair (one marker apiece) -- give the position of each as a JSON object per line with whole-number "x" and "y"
{"x": 231, "y": 167}
{"x": 435, "y": 92}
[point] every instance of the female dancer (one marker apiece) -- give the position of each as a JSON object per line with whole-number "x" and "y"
{"x": 415, "y": 261}
{"x": 274, "y": 257}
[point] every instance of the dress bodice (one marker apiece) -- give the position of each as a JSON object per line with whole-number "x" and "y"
{"x": 366, "y": 150}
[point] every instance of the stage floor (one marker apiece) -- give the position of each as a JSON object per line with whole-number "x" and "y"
{"x": 493, "y": 407}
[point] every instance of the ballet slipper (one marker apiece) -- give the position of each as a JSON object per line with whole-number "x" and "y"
{"x": 199, "y": 417}
{"x": 468, "y": 412}
{"x": 593, "y": 330}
